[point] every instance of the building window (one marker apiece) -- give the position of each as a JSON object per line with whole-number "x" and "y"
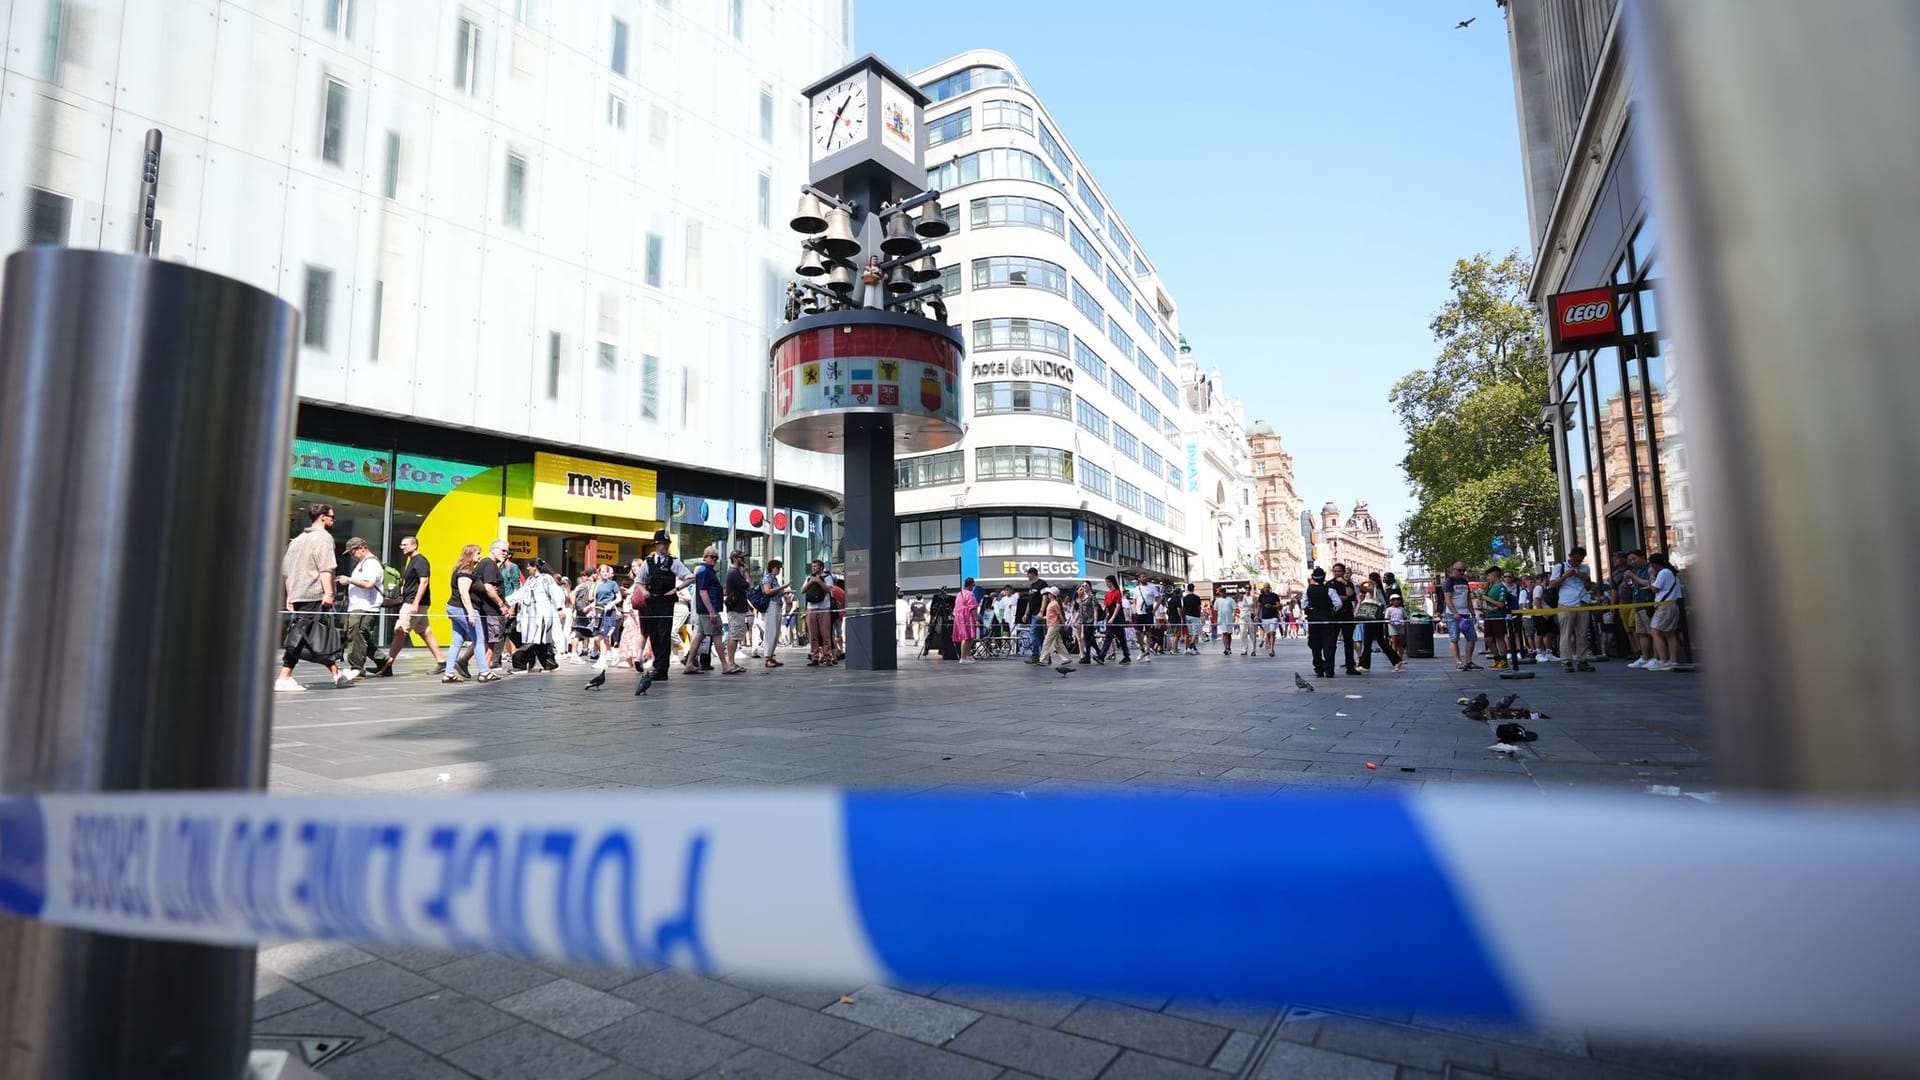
{"x": 466, "y": 56}
{"x": 1016, "y": 270}
{"x": 49, "y": 218}
{"x": 972, "y": 78}
{"x": 656, "y": 259}
{"x": 1089, "y": 361}
{"x": 1144, "y": 320}
{"x": 950, "y": 279}
{"x": 1117, "y": 285}
{"x": 1151, "y": 414}
{"x": 1020, "y": 334}
{"x": 1026, "y": 534}
{"x": 766, "y": 201}
{"x": 1168, "y": 390}
{"x": 1083, "y": 247}
{"x": 333, "y": 126}
{"x": 618, "y": 61}
{"x": 1092, "y": 420}
{"x": 649, "y": 387}
{"x": 1089, "y": 200}
{"x": 1088, "y": 306}
{"x": 1120, "y": 241}
{"x": 999, "y": 163}
{"x": 737, "y": 20}
{"x": 931, "y": 470}
{"x": 379, "y": 312}
{"x": 339, "y": 18}
{"x": 1153, "y": 462}
{"x": 948, "y": 127}
{"x": 607, "y": 356}
{"x": 1022, "y": 463}
{"x": 1096, "y": 479}
{"x": 553, "y": 365}
{"x": 990, "y": 398}
{"x": 1127, "y": 443}
{"x": 1166, "y": 348}
{"x": 1119, "y": 337}
{"x": 1140, "y": 267}
{"x": 933, "y": 538}
{"x": 523, "y": 12}
{"x": 1018, "y": 210}
{"x": 1123, "y": 390}
{"x": 951, "y": 215}
{"x": 1006, "y": 114}
{"x": 516, "y": 209}
{"x": 1099, "y": 538}
{"x": 616, "y": 112}
{"x": 390, "y": 180}
{"x": 1155, "y": 509}
{"x": 318, "y": 308}
{"x": 1055, "y": 151}
{"x": 766, "y": 115}
{"x": 1127, "y": 495}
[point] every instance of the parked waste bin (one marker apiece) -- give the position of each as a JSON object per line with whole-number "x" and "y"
{"x": 1420, "y": 638}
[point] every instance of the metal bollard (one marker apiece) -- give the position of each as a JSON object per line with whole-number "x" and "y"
{"x": 145, "y": 413}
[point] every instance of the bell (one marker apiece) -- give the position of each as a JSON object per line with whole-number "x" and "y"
{"x": 899, "y": 280}
{"x": 900, "y": 239}
{"x": 808, "y": 219}
{"x": 933, "y": 222}
{"x": 840, "y": 279}
{"x": 924, "y": 271}
{"x": 810, "y": 264}
{"x": 839, "y": 242}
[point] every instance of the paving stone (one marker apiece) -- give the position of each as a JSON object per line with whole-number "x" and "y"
{"x": 1155, "y": 1033}
{"x": 790, "y": 1030}
{"x": 1235, "y": 1051}
{"x": 901, "y": 1013}
{"x": 1526, "y": 1063}
{"x": 664, "y": 1045}
{"x": 1253, "y": 1018}
{"x": 320, "y": 1018}
{"x": 374, "y": 985}
{"x": 414, "y": 957}
{"x": 526, "y": 1052}
{"x": 1134, "y": 1065}
{"x": 1418, "y": 1047}
{"x": 1052, "y": 1054}
{"x": 303, "y": 960}
{"x": 805, "y": 995}
{"x": 389, "y": 1060}
{"x": 688, "y": 997}
{"x": 490, "y": 977}
{"x": 1291, "y": 1061}
{"x": 274, "y": 994}
{"x": 443, "y": 1021}
{"x": 878, "y": 1055}
{"x": 758, "y": 1064}
{"x": 623, "y": 1071}
{"x": 1044, "y": 1011}
{"x": 599, "y": 978}
{"x": 567, "y": 1008}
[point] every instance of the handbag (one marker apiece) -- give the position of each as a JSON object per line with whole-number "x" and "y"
{"x": 320, "y": 639}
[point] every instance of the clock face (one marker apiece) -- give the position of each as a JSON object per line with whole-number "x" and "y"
{"x": 839, "y": 117}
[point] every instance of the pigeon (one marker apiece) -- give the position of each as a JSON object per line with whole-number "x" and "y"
{"x": 1064, "y": 669}
{"x": 1505, "y": 702}
{"x": 1301, "y": 684}
{"x": 646, "y": 680}
{"x": 1464, "y": 23}
{"x": 1477, "y": 705}
{"x": 599, "y": 679}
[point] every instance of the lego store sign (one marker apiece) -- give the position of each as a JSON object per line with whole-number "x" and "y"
{"x": 1584, "y": 319}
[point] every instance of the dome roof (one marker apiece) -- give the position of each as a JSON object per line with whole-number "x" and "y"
{"x": 1260, "y": 427}
{"x": 1330, "y": 508}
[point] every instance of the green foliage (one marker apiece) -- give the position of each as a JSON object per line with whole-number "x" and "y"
{"x": 1476, "y": 463}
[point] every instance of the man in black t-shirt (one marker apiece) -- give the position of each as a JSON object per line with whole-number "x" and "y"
{"x": 1342, "y": 586}
{"x": 416, "y": 592}
{"x": 490, "y": 602}
{"x": 1190, "y": 606}
{"x": 1030, "y": 611}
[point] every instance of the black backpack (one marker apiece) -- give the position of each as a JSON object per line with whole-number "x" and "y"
{"x": 815, "y": 592}
{"x": 661, "y": 581}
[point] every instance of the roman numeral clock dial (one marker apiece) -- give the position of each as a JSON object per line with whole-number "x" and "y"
{"x": 839, "y": 117}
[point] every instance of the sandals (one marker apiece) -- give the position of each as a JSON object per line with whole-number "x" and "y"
{"x": 451, "y": 679}
{"x": 488, "y": 676}
{"x": 774, "y": 664}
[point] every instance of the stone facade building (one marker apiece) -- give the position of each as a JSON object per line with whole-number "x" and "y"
{"x": 1283, "y": 550}
{"x": 1357, "y": 542}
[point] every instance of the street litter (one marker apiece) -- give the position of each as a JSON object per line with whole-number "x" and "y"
{"x": 1339, "y": 714}
{"x": 1371, "y": 765}
{"x": 1310, "y": 727}
{"x": 1355, "y": 697}
{"x": 1408, "y": 768}
{"x": 444, "y": 777}
{"x": 1663, "y": 789}
{"x": 1505, "y": 748}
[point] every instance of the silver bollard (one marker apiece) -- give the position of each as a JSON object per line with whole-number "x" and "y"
{"x": 146, "y": 409}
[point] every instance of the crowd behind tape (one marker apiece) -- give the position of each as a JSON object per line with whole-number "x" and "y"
{"x": 1763, "y": 925}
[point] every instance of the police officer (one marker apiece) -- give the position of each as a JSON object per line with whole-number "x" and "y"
{"x": 1322, "y": 611}
{"x": 661, "y": 576}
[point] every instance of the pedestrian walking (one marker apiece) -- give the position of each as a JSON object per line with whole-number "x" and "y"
{"x": 1086, "y": 621}
{"x": 534, "y": 604}
{"x": 1269, "y": 616}
{"x": 661, "y": 576}
{"x": 966, "y": 620}
{"x": 1371, "y": 613}
{"x": 1223, "y": 620}
{"x": 465, "y": 606}
{"x": 490, "y": 596}
{"x": 416, "y": 592}
{"x": 1032, "y": 612}
{"x": 1247, "y": 607}
{"x": 307, "y": 573}
{"x": 1342, "y": 585}
{"x": 1397, "y": 628}
{"x": 1054, "y": 618}
{"x": 916, "y": 618}
{"x": 363, "y": 603}
{"x": 708, "y": 596}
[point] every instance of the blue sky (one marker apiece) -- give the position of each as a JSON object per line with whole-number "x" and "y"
{"x": 1357, "y": 149}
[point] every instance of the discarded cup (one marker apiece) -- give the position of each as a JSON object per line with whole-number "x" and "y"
{"x": 1310, "y": 727}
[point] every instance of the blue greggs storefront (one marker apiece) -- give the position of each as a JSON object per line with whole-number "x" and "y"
{"x": 994, "y": 547}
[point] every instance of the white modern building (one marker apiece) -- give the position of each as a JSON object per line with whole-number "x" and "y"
{"x": 515, "y": 229}
{"x": 1073, "y": 458}
{"x": 1219, "y": 475}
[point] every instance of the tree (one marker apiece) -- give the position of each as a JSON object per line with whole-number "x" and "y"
{"x": 1475, "y": 459}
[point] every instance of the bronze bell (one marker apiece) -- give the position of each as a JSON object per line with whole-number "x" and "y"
{"x": 809, "y": 219}
{"x": 899, "y": 280}
{"x": 933, "y": 221}
{"x": 900, "y": 239}
{"x": 840, "y": 279}
{"x": 839, "y": 242}
{"x": 924, "y": 271}
{"x": 810, "y": 264}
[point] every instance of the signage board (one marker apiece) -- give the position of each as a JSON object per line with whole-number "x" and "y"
{"x": 586, "y": 486}
{"x": 1023, "y": 367}
{"x": 1584, "y": 318}
{"x": 606, "y": 553}
{"x": 1048, "y": 565}
{"x": 873, "y": 368}
{"x": 338, "y": 463}
{"x": 521, "y": 546}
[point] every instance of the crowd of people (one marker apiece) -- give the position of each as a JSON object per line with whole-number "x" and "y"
{"x": 1550, "y": 617}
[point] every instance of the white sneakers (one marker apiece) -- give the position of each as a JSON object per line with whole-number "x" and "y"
{"x": 345, "y": 679}
{"x": 287, "y": 686}
{"x": 1653, "y": 665}
{"x": 1640, "y": 662}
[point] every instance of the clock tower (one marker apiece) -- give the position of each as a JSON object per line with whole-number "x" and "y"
{"x": 863, "y": 131}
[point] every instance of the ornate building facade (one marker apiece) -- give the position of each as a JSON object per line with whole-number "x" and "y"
{"x": 1283, "y": 549}
{"x": 1357, "y": 542}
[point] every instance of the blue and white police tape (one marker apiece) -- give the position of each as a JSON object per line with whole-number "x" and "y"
{"x": 1766, "y": 924}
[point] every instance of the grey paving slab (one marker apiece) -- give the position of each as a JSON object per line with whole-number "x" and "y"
{"x": 443, "y": 1021}
{"x": 322, "y": 1018}
{"x": 1155, "y": 1033}
{"x": 1043, "y": 1010}
{"x": 879, "y": 1055}
{"x": 1421, "y": 1048}
{"x": 759, "y": 1064}
{"x": 1134, "y": 1065}
{"x": 1235, "y": 1051}
{"x": 302, "y": 960}
{"x": 567, "y": 1008}
{"x": 1292, "y": 1061}
{"x": 527, "y": 1052}
{"x": 789, "y": 1030}
{"x": 664, "y": 1045}
{"x": 910, "y": 1015}
{"x": 364, "y": 988}
{"x": 1052, "y": 1054}
{"x": 806, "y": 995}
{"x": 274, "y": 994}
{"x": 490, "y": 977}
{"x": 688, "y": 997}
{"x": 390, "y": 1059}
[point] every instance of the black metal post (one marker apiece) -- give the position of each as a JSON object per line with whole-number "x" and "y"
{"x": 870, "y": 541}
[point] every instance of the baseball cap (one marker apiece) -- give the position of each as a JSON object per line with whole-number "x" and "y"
{"x": 358, "y": 542}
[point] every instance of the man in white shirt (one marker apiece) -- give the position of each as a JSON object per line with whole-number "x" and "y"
{"x": 1567, "y": 586}
{"x": 363, "y": 604}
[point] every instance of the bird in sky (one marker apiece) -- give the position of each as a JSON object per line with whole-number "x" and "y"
{"x": 1464, "y": 23}
{"x": 599, "y": 680}
{"x": 646, "y": 680}
{"x": 1301, "y": 684}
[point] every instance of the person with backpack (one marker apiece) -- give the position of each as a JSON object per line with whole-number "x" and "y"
{"x": 768, "y": 598}
{"x": 817, "y": 594}
{"x": 363, "y": 603}
{"x": 1371, "y": 614}
{"x": 1568, "y": 587}
{"x": 655, "y": 593}
{"x": 739, "y": 613}
{"x": 1496, "y": 616}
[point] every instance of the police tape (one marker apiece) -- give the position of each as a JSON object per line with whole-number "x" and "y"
{"x": 1767, "y": 924}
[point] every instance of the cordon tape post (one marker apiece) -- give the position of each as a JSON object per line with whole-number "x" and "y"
{"x": 1772, "y": 924}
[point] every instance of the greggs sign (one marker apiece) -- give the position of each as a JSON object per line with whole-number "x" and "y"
{"x": 1585, "y": 318}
